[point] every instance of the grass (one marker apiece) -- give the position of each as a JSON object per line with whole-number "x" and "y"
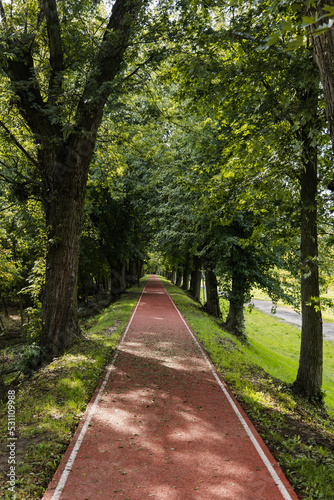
{"x": 51, "y": 403}
{"x": 275, "y": 346}
{"x": 299, "y": 434}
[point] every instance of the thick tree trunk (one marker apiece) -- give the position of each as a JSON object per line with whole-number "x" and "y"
{"x": 309, "y": 377}
{"x": 212, "y": 303}
{"x": 185, "y": 277}
{"x": 63, "y": 207}
{"x": 235, "y": 318}
{"x": 195, "y": 284}
{"x": 178, "y": 278}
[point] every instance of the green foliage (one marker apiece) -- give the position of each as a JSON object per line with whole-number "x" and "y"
{"x": 9, "y": 272}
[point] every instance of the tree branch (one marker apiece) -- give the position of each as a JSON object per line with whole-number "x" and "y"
{"x": 107, "y": 63}
{"x": 18, "y": 145}
{"x": 55, "y": 45}
{"x": 8, "y": 206}
{"x": 20, "y": 69}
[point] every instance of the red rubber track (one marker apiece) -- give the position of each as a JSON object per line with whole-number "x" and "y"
{"x": 162, "y": 425}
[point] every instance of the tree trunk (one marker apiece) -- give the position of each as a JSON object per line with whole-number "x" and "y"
{"x": 212, "y": 303}
{"x": 4, "y": 305}
{"x": 178, "y": 278}
{"x": 309, "y": 377}
{"x": 140, "y": 270}
{"x": 195, "y": 284}
{"x": 185, "y": 278}
{"x": 235, "y": 318}
{"x": 117, "y": 275}
{"x": 131, "y": 273}
{"x": 64, "y": 194}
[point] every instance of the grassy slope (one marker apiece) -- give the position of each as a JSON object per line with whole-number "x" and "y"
{"x": 300, "y": 436}
{"x": 275, "y": 346}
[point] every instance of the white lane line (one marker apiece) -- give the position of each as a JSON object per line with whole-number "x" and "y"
{"x": 63, "y": 478}
{"x": 286, "y": 495}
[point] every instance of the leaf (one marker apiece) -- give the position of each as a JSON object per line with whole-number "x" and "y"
{"x": 296, "y": 43}
{"x": 307, "y": 21}
{"x": 273, "y": 38}
{"x": 324, "y": 27}
{"x": 329, "y": 9}
{"x": 286, "y": 25}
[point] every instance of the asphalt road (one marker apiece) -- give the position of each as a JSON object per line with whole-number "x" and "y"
{"x": 291, "y": 317}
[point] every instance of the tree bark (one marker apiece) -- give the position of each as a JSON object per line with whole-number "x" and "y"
{"x": 185, "y": 277}
{"x": 212, "y": 303}
{"x": 235, "y": 318}
{"x": 309, "y": 377}
{"x": 117, "y": 275}
{"x": 195, "y": 283}
{"x": 140, "y": 270}
{"x": 63, "y": 193}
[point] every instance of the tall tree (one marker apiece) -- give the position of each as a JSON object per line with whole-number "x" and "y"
{"x": 258, "y": 94}
{"x": 60, "y": 77}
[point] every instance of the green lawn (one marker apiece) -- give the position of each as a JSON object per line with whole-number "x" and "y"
{"x": 275, "y": 346}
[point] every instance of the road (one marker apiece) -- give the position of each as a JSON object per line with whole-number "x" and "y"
{"x": 291, "y": 317}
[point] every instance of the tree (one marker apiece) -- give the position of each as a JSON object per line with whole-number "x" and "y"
{"x": 59, "y": 78}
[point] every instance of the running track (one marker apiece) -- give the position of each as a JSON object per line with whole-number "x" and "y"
{"x": 163, "y": 426}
